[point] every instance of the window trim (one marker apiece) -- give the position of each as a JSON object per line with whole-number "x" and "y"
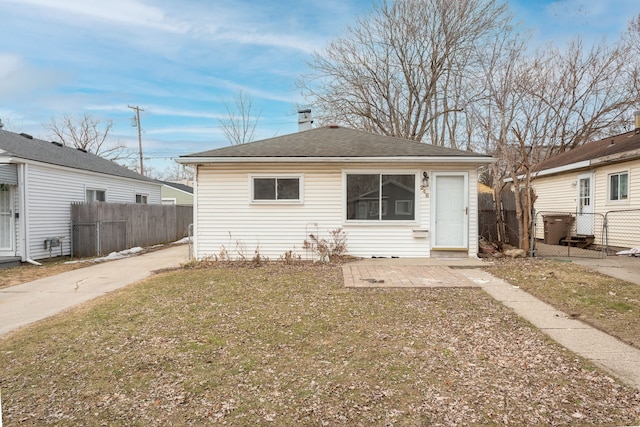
{"x": 404, "y": 212}
{"x": 609, "y": 190}
{"x": 95, "y": 191}
{"x": 276, "y": 176}
{"x": 383, "y": 222}
{"x": 146, "y": 198}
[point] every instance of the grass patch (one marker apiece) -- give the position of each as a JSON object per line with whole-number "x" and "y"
{"x": 289, "y": 345}
{"x": 609, "y": 304}
{"x": 27, "y": 272}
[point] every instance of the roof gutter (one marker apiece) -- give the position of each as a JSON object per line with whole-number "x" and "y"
{"x": 403, "y": 159}
{"x": 566, "y": 168}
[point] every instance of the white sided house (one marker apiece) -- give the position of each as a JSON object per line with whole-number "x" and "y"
{"x": 598, "y": 184}
{"x": 39, "y": 180}
{"x": 391, "y": 197}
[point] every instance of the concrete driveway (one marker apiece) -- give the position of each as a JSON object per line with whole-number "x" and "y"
{"x": 621, "y": 267}
{"x": 29, "y": 302}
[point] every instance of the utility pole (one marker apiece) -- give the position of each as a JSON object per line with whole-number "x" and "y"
{"x": 137, "y": 123}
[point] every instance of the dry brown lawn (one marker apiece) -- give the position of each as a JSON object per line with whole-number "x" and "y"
{"x": 28, "y": 272}
{"x": 607, "y": 303}
{"x": 290, "y": 346}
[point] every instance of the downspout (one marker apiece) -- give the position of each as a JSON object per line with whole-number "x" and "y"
{"x": 195, "y": 254}
{"x": 24, "y": 215}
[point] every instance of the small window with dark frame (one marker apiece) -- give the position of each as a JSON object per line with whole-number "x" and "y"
{"x": 619, "y": 186}
{"x": 276, "y": 188}
{"x": 141, "y": 198}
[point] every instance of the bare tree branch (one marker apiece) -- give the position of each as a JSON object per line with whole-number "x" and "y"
{"x": 87, "y": 133}
{"x": 400, "y": 70}
{"x": 239, "y": 125}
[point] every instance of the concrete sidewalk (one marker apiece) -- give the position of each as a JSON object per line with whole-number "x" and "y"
{"x": 614, "y": 356}
{"x": 29, "y": 302}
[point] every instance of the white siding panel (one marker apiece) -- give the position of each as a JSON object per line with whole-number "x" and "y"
{"x": 559, "y": 194}
{"x": 227, "y": 222}
{"x": 624, "y": 229}
{"x": 50, "y": 192}
{"x": 556, "y": 193}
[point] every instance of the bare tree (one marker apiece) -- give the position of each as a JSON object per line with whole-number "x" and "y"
{"x": 549, "y": 104}
{"x": 238, "y": 124}
{"x": 399, "y": 70}
{"x": 88, "y": 133}
{"x": 178, "y": 172}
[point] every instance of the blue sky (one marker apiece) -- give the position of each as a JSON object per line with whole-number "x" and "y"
{"x": 180, "y": 60}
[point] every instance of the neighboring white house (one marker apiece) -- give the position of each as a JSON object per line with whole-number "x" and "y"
{"x": 392, "y": 197}
{"x": 39, "y": 180}
{"x": 596, "y": 179}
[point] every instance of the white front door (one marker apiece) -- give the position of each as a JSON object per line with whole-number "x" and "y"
{"x": 584, "y": 208}
{"x": 6, "y": 221}
{"x": 450, "y": 211}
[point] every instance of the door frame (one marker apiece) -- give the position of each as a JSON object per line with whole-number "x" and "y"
{"x": 585, "y": 223}
{"x": 465, "y": 215}
{"x": 11, "y": 249}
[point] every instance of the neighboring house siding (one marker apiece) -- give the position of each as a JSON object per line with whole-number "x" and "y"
{"x": 558, "y": 194}
{"x": 50, "y": 192}
{"x": 180, "y": 197}
{"x": 624, "y": 229}
{"x": 240, "y": 227}
{"x": 555, "y": 194}
{"x": 603, "y": 204}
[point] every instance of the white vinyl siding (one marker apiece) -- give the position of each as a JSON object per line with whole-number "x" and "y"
{"x": 50, "y": 192}
{"x": 228, "y": 223}
{"x": 558, "y": 193}
{"x": 623, "y": 232}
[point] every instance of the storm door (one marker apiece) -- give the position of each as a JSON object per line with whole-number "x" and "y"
{"x": 6, "y": 221}
{"x": 450, "y": 211}
{"x": 584, "y": 208}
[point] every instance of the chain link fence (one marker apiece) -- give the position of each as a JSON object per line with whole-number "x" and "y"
{"x": 622, "y": 230}
{"x": 568, "y": 234}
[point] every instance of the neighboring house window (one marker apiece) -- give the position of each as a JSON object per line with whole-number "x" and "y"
{"x": 404, "y": 207}
{"x": 285, "y": 188}
{"x": 619, "y": 186}
{"x": 169, "y": 201}
{"x": 95, "y": 195}
{"x": 141, "y": 198}
{"x": 366, "y": 193}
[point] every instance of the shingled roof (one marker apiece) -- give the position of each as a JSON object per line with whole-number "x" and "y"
{"x": 25, "y": 147}
{"x": 178, "y": 186}
{"x": 616, "y": 148}
{"x": 333, "y": 142}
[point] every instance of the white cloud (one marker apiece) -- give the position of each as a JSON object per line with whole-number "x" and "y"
{"x": 127, "y": 12}
{"x": 19, "y": 78}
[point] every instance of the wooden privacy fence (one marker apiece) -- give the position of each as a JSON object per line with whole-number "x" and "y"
{"x": 99, "y": 228}
{"x": 488, "y": 220}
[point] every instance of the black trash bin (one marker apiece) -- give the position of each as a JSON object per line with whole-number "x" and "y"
{"x": 556, "y": 227}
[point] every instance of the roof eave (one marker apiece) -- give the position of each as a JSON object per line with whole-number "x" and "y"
{"x": 565, "y": 168}
{"x": 391, "y": 159}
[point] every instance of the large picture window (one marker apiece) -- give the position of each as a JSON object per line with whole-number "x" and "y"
{"x": 619, "y": 186}
{"x": 276, "y": 189}
{"x": 381, "y": 197}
